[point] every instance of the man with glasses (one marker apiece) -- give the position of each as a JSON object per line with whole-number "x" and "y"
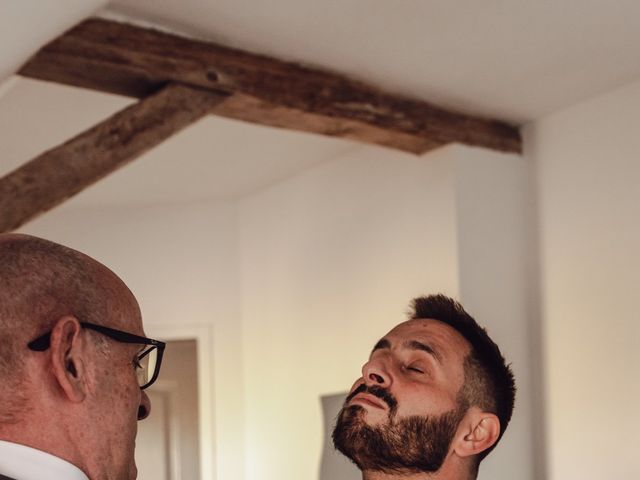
{"x": 73, "y": 365}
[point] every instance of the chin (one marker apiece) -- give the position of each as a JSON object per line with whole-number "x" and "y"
{"x": 350, "y": 422}
{"x": 361, "y": 415}
{"x": 374, "y": 418}
{"x": 354, "y": 413}
{"x": 133, "y": 472}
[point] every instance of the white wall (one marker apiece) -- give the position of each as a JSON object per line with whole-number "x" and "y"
{"x": 181, "y": 263}
{"x": 493, "y": 220}
{"x": 589, "y": 212}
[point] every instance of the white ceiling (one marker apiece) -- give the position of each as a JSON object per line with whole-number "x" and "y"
{"x": 516, "y": 60}
{"x": 26, "y": 25}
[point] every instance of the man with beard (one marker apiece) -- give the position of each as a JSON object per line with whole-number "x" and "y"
{"x": 73, "y": 365}
{"x": 434, "y": 398}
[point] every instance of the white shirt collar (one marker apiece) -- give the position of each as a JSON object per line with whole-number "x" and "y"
{"x": 26, "y": 463}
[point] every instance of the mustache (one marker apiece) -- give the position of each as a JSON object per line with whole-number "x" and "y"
{"x": 379, "y": 392}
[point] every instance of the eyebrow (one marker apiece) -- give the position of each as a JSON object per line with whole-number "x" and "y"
{"x": 384, "y": 343}
{"x": 411, "y": 345}
{"x": 416, "y": 345}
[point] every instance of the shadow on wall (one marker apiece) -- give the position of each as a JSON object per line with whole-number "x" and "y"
{"x": 334, "y": 465}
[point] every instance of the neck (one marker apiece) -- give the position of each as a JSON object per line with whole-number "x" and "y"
{"x": 39, "y": 435}
{"x": 51, "y": 434}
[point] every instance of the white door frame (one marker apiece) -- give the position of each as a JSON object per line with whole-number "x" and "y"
{"x": 203, "y": 337}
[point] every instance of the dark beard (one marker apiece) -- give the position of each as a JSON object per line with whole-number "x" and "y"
{"x": 413, "y": 444}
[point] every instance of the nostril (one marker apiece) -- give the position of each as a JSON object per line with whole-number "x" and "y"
{"x": 376, "y": 378}
{"x": 143, "y": 412}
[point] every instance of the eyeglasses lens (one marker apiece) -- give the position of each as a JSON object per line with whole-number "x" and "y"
{"x": 147, "y": 360}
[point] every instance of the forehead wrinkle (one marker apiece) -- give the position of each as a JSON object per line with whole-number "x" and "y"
{"x": 440, "y": 334}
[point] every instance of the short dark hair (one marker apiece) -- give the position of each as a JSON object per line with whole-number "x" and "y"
{"x": 488, "y": 380}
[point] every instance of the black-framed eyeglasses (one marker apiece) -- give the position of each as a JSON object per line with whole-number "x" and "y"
{"x": 148, "y": 360}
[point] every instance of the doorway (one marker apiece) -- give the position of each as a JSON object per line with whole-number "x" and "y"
{"x": 168, "y": 441}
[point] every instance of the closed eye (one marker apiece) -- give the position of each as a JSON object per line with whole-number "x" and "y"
{"x": 415, "y": 369}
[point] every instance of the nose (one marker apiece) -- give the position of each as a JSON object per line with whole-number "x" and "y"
{"x": 375, "y": 373}
{"x": 144, "y": 409}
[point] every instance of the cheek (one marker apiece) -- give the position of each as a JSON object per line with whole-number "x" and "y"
{"x": 124, "y": 408}
{"x": 123, "y": 395}
{"x": 131, "y": 396}
{"x": 417, "y": 399}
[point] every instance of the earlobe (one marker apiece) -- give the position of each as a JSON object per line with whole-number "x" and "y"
{"x": 480, "y": 433}
{"x": 67, "y": 354}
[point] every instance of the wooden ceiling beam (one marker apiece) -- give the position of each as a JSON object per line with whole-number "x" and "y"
{"x": 62, "y": 172}
{"x": 130, "y": 60}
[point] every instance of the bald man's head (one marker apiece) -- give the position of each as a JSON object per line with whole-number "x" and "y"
{"x": 41, "y": 281}
{"x": 70, "y": 387}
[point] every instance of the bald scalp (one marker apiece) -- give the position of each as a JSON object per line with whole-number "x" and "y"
{"x": 40, "y": 282}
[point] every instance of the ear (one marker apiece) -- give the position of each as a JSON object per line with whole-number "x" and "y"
{"x": 478, "y": 432}
{"x": 68, "y": 358}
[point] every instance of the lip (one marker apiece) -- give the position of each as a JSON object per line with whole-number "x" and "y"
{"x": 368, "y": 399}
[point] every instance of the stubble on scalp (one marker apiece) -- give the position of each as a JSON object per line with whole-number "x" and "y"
{"x": 41, "y": 281}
